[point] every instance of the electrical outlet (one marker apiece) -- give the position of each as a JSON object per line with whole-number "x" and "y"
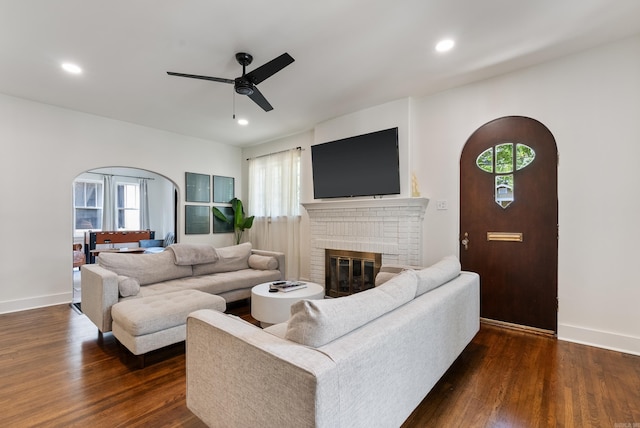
{"x": 441, "y": 205}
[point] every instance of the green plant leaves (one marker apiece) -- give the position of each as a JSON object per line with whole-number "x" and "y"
{"x": 240, "y": 222}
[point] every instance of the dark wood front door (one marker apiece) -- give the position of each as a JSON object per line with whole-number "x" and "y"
{"x": 509, "y": 220}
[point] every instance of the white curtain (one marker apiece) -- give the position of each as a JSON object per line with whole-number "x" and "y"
{"x": 274, "y": 200}
{"x": 144, "y": 204}
{"x": 108, "y": 208}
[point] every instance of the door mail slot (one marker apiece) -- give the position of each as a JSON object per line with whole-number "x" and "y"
{"x": 504, "y": 236}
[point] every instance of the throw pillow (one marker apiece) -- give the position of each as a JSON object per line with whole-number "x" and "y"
{"x": 383, "y": 277}
{"x": 259, "y": 262}
{"x": 437, "y": 274}
{"x": 389, "y": 271}
{"x": 317, "y": 322}
{"x": 128, "y": 286}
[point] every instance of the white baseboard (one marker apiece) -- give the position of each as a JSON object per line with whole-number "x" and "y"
{"x": 34, "y": 302}
{"x": 600, "y": 339}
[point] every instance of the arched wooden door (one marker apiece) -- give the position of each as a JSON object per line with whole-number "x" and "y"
{"x": 509, "y": 220}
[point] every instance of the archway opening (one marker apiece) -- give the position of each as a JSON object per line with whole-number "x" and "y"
{"x": 119, "y": 199}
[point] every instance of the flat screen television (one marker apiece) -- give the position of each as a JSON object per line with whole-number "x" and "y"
{"x": 364, "y": 165}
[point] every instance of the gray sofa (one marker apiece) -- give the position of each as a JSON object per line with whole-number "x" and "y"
{"x": 358, "y": 361}
{"x": 229, "y": 272}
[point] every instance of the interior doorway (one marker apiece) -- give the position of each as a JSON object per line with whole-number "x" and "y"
{"x": 509, "y": 220}
{"x": 128, "y": 189}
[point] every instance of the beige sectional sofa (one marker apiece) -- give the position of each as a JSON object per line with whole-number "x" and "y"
{"x": 359, "y": 361}
{"x": 229, "y": 272}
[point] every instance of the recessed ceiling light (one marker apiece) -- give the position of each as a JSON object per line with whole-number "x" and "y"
{"x": 71, "y": 68}
{"x": 243, "y": 122}
{"x": 445, "y": 45}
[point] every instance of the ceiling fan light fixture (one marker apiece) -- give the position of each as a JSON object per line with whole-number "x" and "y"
{"x": 243, "y": 87}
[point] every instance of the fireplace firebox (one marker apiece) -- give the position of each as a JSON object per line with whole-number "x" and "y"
{"x": 349, "y": 272}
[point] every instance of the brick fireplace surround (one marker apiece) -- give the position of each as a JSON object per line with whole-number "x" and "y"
{"x": 392, "y": 227}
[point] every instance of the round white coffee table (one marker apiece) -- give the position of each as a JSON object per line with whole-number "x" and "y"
{"x": 274, "y": 308}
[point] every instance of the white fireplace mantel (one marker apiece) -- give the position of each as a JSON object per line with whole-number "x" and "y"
{"x": 367, "y": 203}
{"x": 390, "y": 226}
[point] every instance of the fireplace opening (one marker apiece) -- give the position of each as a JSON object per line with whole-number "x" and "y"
{"x": 349, "y": 272}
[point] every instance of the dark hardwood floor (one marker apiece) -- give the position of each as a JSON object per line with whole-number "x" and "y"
{"x": 56, "y": 372}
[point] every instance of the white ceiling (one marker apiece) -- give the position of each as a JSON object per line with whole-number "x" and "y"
{"x": 349, "y": 54}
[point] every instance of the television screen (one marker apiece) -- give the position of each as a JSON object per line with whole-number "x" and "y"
{"x": 364, "y": 165}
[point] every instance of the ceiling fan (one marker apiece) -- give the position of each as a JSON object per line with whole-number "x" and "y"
{"x": 246, "y": 84}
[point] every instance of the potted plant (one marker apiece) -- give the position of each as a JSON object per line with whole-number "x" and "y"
{"x": 239, "y": 221}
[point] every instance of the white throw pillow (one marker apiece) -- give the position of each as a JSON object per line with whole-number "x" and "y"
{"x": 318, "y": 322}
{"x": 259, "y": 262}
{"x": 128, "y": 286}
{"x": 383, "y": 277}
{"x": 437, "y": 274}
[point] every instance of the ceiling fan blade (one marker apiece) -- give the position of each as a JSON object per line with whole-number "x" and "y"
{"x": 195, "y": 76}
{"x": 259, "y": 99}
{"x": 269, "y": 69}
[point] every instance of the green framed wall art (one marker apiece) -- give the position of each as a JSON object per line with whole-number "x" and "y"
{"x": 223, "y": 189}
{"x": 197, "y": 219}
{"x": 198, "y": 187}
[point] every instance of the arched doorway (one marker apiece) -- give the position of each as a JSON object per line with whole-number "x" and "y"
{"x": 509, "y": 220}
{"x": 138, "y": 199}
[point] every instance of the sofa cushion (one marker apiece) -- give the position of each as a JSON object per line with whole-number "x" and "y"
{"x": 146, "y": 268}
{"x": 235, "y": 257}
{"x": 259, "y": 262}
{"x": 194, "y": 254}
{"x": 222, "y": 282}
{"x": 318, "y": 322}
{"x": 128, "y": 286}
{"x": 437, "y": 274}
{"x": 151, "y": 314}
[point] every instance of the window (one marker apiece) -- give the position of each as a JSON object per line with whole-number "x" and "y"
{"x": 274, "y": 198}
{"x": 87, "y": 202}
{"x": 504, "y": 157}
{"x": 274, "y": 185}
{"x": 128, "y": 206}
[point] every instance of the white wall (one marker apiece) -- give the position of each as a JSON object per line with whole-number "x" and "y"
{"x": 43, "y": 149}
{"x": 591, "y": 104}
